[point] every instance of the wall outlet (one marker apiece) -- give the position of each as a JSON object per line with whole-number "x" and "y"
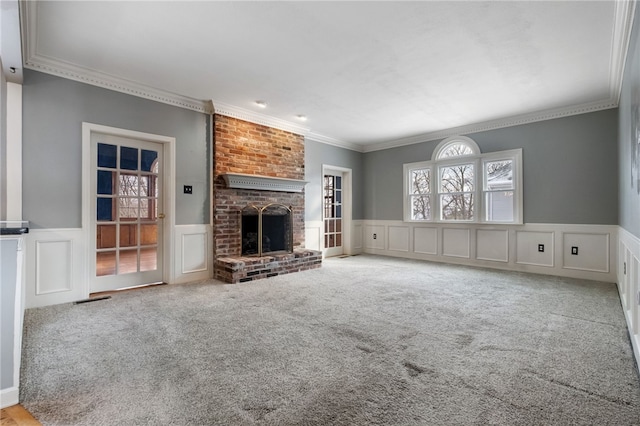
{"x": 574, "y": 250}
{"x": 188, "y": 189}
{"x": 541, "y": 248}
{"x": 375, "y": 236}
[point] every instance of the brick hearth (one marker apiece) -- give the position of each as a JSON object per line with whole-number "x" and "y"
{"x": 253, "y": 149}
{"x": 242, "y": 269}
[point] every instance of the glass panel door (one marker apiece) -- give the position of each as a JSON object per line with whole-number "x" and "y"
{"x": 127, "y": 178}
{"x": 332, "y": 214}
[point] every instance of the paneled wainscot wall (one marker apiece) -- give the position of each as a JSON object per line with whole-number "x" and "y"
{"x": 629, "y": 285}
{"x": 537, "y": 248}
{"x": 56, "y": 269}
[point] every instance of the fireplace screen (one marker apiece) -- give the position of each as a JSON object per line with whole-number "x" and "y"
{"x": 266, "y": 230}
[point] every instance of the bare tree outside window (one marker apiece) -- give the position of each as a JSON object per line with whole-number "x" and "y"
{"x": 461, "y": 184}
{"x": 457, "y": 192}
{"x": 456, "y": 150}
{"x": 421, "y": 194}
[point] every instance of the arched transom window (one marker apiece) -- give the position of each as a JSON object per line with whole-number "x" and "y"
{"x": 462, "y": 184}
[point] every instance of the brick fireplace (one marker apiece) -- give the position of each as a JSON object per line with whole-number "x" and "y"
{"x": 256, "y": 165}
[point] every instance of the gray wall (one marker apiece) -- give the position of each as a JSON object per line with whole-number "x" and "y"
{"x": 315, "y": 155}
{"x": 3, "y": 145}
{"x": 629, "y": 137}
{"x": 53, "y": 111}
{"x": 570, "y": 168}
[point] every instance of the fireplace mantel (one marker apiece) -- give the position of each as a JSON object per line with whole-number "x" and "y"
{"x": 263, "y": 183}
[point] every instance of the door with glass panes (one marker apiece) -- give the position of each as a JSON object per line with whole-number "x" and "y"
{"x": 332, "y": 213}
{"x": 127, "y": 211}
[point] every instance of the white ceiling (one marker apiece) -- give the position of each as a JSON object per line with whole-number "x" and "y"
{"x": 368, "y": 75}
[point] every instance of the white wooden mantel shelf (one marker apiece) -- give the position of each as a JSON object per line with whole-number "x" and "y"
{"x": 263, "y": 183}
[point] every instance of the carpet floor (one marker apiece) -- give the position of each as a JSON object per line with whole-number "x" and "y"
{"x": 364, "y": 340}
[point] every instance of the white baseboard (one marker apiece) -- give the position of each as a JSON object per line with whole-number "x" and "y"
{"x": 9, "y": 397}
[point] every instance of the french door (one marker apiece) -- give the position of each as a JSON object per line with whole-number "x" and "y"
{"x": 333, "y": 211}
{"x": 126, "y": 207}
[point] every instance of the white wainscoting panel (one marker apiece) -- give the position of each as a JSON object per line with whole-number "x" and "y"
{"x": 593, "y": 251}
{"x": 56, "y": 265}
{"x": 398, "y": 238}
{"x": 634, "y": 298}
{"x": 53, "y": 266}
{"x": 455, "y": 242}
{"x": 629, "y": 285}
{"x": 358, "y": 230}
{"x": 425, "y": 240}
{"x": 492, "y": 244}
{"x": 625, "y": 284}
{"x": 629, "y": 295}
{"x": 527, "y": 243}
{"x": 194, "y": 252}
{"x": 374, "y": 237}
{"x": 194, "y": 259}
{"x": 313, "y": 235}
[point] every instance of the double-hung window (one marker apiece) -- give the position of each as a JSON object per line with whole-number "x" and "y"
{"x": 499, "y": 190}
{"x": 420, "y": 192}
{"x": 460, "y": 184}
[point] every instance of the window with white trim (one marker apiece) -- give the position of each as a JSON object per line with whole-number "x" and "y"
{"x": 461, "y": 184}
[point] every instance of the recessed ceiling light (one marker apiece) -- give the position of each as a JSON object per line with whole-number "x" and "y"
{"x": 261, "y": 104}
{"x": 301, "y": 117}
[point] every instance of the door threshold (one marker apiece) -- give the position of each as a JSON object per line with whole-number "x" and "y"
{"x": 120, "y": 290}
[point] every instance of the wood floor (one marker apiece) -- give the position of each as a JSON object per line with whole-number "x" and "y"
{"x": 16, "y": 415}
{"x": 106, "y": 261}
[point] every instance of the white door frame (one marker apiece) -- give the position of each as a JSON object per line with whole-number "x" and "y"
{"x": 346, "y": 206}
{"x": 168, "y": 223}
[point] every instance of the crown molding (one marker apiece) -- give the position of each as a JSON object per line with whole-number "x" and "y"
{"x": 622, "y": 26}
{"x": 495, "y": 124}
{"x": 95, "y": 78}
{"x": 257, "y": 118}
{"x": 42, "y": 63}
{"x": 623, "y": 23}
{"x": 335, "y": 142}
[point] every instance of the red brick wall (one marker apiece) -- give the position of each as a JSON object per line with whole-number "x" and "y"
{"x": 243, "y": 147}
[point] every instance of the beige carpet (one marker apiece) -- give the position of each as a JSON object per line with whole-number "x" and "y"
{"x": 363, "y": 340}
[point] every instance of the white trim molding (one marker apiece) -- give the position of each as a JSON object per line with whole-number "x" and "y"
{"x": 14, "y": 151}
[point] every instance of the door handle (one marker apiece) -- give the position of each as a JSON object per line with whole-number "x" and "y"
{"x": 161, "y": 216}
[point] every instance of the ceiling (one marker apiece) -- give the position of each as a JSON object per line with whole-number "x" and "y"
{"x": 367, "y": 75}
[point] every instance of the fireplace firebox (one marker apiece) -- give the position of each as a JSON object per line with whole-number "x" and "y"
{"x": 266, "y": 229}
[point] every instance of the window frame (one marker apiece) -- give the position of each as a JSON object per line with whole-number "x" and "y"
{"x": 479, "y": 161}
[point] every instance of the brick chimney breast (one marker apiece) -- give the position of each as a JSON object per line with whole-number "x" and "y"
{"x": 254, "y": 149}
